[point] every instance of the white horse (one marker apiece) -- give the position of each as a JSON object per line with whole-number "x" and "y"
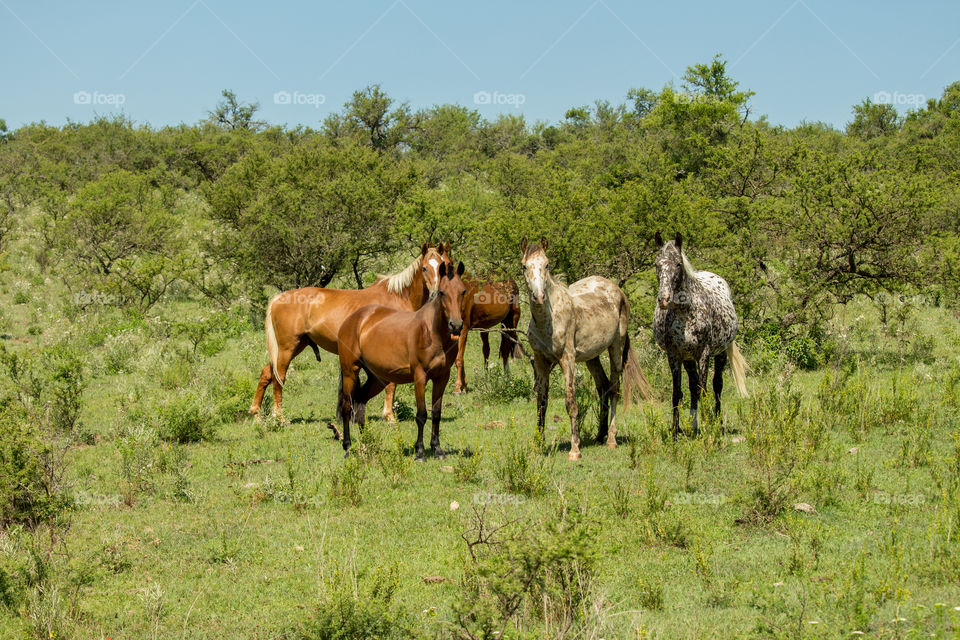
{"x": 577, "y": 324}
{"x": 694, "y": 321}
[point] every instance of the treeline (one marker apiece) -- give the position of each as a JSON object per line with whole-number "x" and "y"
{"x": 797, "y": 219}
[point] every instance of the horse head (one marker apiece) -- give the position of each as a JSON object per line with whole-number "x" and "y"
{"x": 671, "y": 273}
{"x": 430, "y": 260}
{"x": 449, "y": 296}
{"x": 535, "y": 268}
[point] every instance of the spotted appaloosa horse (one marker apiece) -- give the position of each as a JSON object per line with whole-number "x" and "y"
{"x": 694, "y": 321}
{"x": 578, "y": 324}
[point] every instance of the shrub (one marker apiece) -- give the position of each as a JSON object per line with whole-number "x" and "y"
{"x": 545, "y": 569}
{"x": 523, "y": 469}
{"x": 494, "y": 386}
{"x": 185, "y": 417}
{"x": 347, "y": 480}
{"x": 31, "y": 471}
{"x": 358, "y": 606}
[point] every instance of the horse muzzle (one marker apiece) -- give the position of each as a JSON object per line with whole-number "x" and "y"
{"x": 455, "y": 328}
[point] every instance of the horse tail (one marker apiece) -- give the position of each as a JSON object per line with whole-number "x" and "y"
{"x": 272, "y": 348}
{"x": 633, "y": 378}
{"x": 739, "y": 367}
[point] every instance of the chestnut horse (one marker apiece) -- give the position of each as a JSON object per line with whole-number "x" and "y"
{"x": 485, "y": 305}
{"x": 402, "y": 347}
{"x": 312, "y": 317}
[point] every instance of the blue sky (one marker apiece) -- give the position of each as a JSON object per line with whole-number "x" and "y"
{"x": 166, "y": 62}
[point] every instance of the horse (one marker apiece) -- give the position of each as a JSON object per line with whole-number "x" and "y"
{"x": 577, "y": 324}
{"x": 400, "y": 347}
{"x": 694, "y": 320}
{"x": 485, "y": 305}
{"x": 312, "y": 316}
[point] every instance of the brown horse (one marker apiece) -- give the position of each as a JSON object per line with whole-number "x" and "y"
{"x": 311, "y": 317}
{"x": 402, "y": 347}
{"x": 485, "y": 305}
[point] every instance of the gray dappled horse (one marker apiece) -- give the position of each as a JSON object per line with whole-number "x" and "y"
{"x": 578, "y": 324}
{"x": 694, "y": 321}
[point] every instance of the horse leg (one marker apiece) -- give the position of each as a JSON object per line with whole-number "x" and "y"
{"x": 388, "y": 403}
{"x": 266, "y": 377}
{"x": 603, "y": 386}
{"x": 347, "y": 389}
{"x": 616, "y": 376}
{"x": 285, "y": 354}
{"x": 369, "y": 390}
{"x": 485, "y": 341}
{"x": 569, "y": 365}
{"x": 420, "y": 389}
{"x": 694, "y": 383}
{"x": 718, "y": 364}
{"x": 506, "y": 349}
{"x": 541, "y": 384}
{"x": 461, "y": 385}
{"x": 439, "y": 385}
{"x": 676, "y": 374}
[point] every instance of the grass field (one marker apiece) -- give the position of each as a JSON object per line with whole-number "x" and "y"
{"x": 829, "y": 505}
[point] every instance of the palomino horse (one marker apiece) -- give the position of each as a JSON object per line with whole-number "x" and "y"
{"x": 577, "y": 324}
{"x": 402, "y": 347}
{"x": 485, "y": 305}
{"x": 312, "y": 317}
{"x": 694, "y": 321}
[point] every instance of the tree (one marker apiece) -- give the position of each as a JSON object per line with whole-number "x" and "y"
{"x": 232, "y": 114}
{"x": 304, "y": 217}
{"x": 120, "y": 237}
{"x": 873, "y": 120}
{"x": 367, "y": 115}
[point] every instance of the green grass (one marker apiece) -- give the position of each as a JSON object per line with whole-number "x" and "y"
{"x": 242, "y": 533}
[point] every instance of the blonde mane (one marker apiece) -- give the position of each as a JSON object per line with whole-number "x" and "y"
{"x": 399, "y": 281}
{"x": 687, "y": 267}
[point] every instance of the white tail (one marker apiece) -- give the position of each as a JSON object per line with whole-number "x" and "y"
{"x": 739, "y": 367}
{"x": 272, "y": 342}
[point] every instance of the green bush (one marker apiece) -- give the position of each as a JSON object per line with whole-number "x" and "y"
{"x": 30, "y": 472}
{"x": 494, "y": 386}
{"x": 358, "y": 606}
{"x": 523, "y": 468}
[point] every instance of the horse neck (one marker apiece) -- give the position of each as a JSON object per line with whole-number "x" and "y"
{"x": 434, "y": 314}
{"x": 542, "y": 313}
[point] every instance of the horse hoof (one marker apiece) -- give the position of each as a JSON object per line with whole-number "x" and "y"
{"x": 420, "y": 458}
{"x": 574, "y": 455}
{"x": 439, "y": 453}
{"x": 459, "y": 392}
{"x": 612, "y": 445}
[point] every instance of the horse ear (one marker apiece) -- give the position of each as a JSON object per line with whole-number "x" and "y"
{"x": 543, "y": 242}
{"x": 678, "y": 241}
{"x": 523, "y": 245}
{"x": 446, "y": 248}
{"x": 460, "y": 269}
{"x": 442, "y": 271}
{"x": 657, "y": 238}
{"x": 423, "y": 249}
